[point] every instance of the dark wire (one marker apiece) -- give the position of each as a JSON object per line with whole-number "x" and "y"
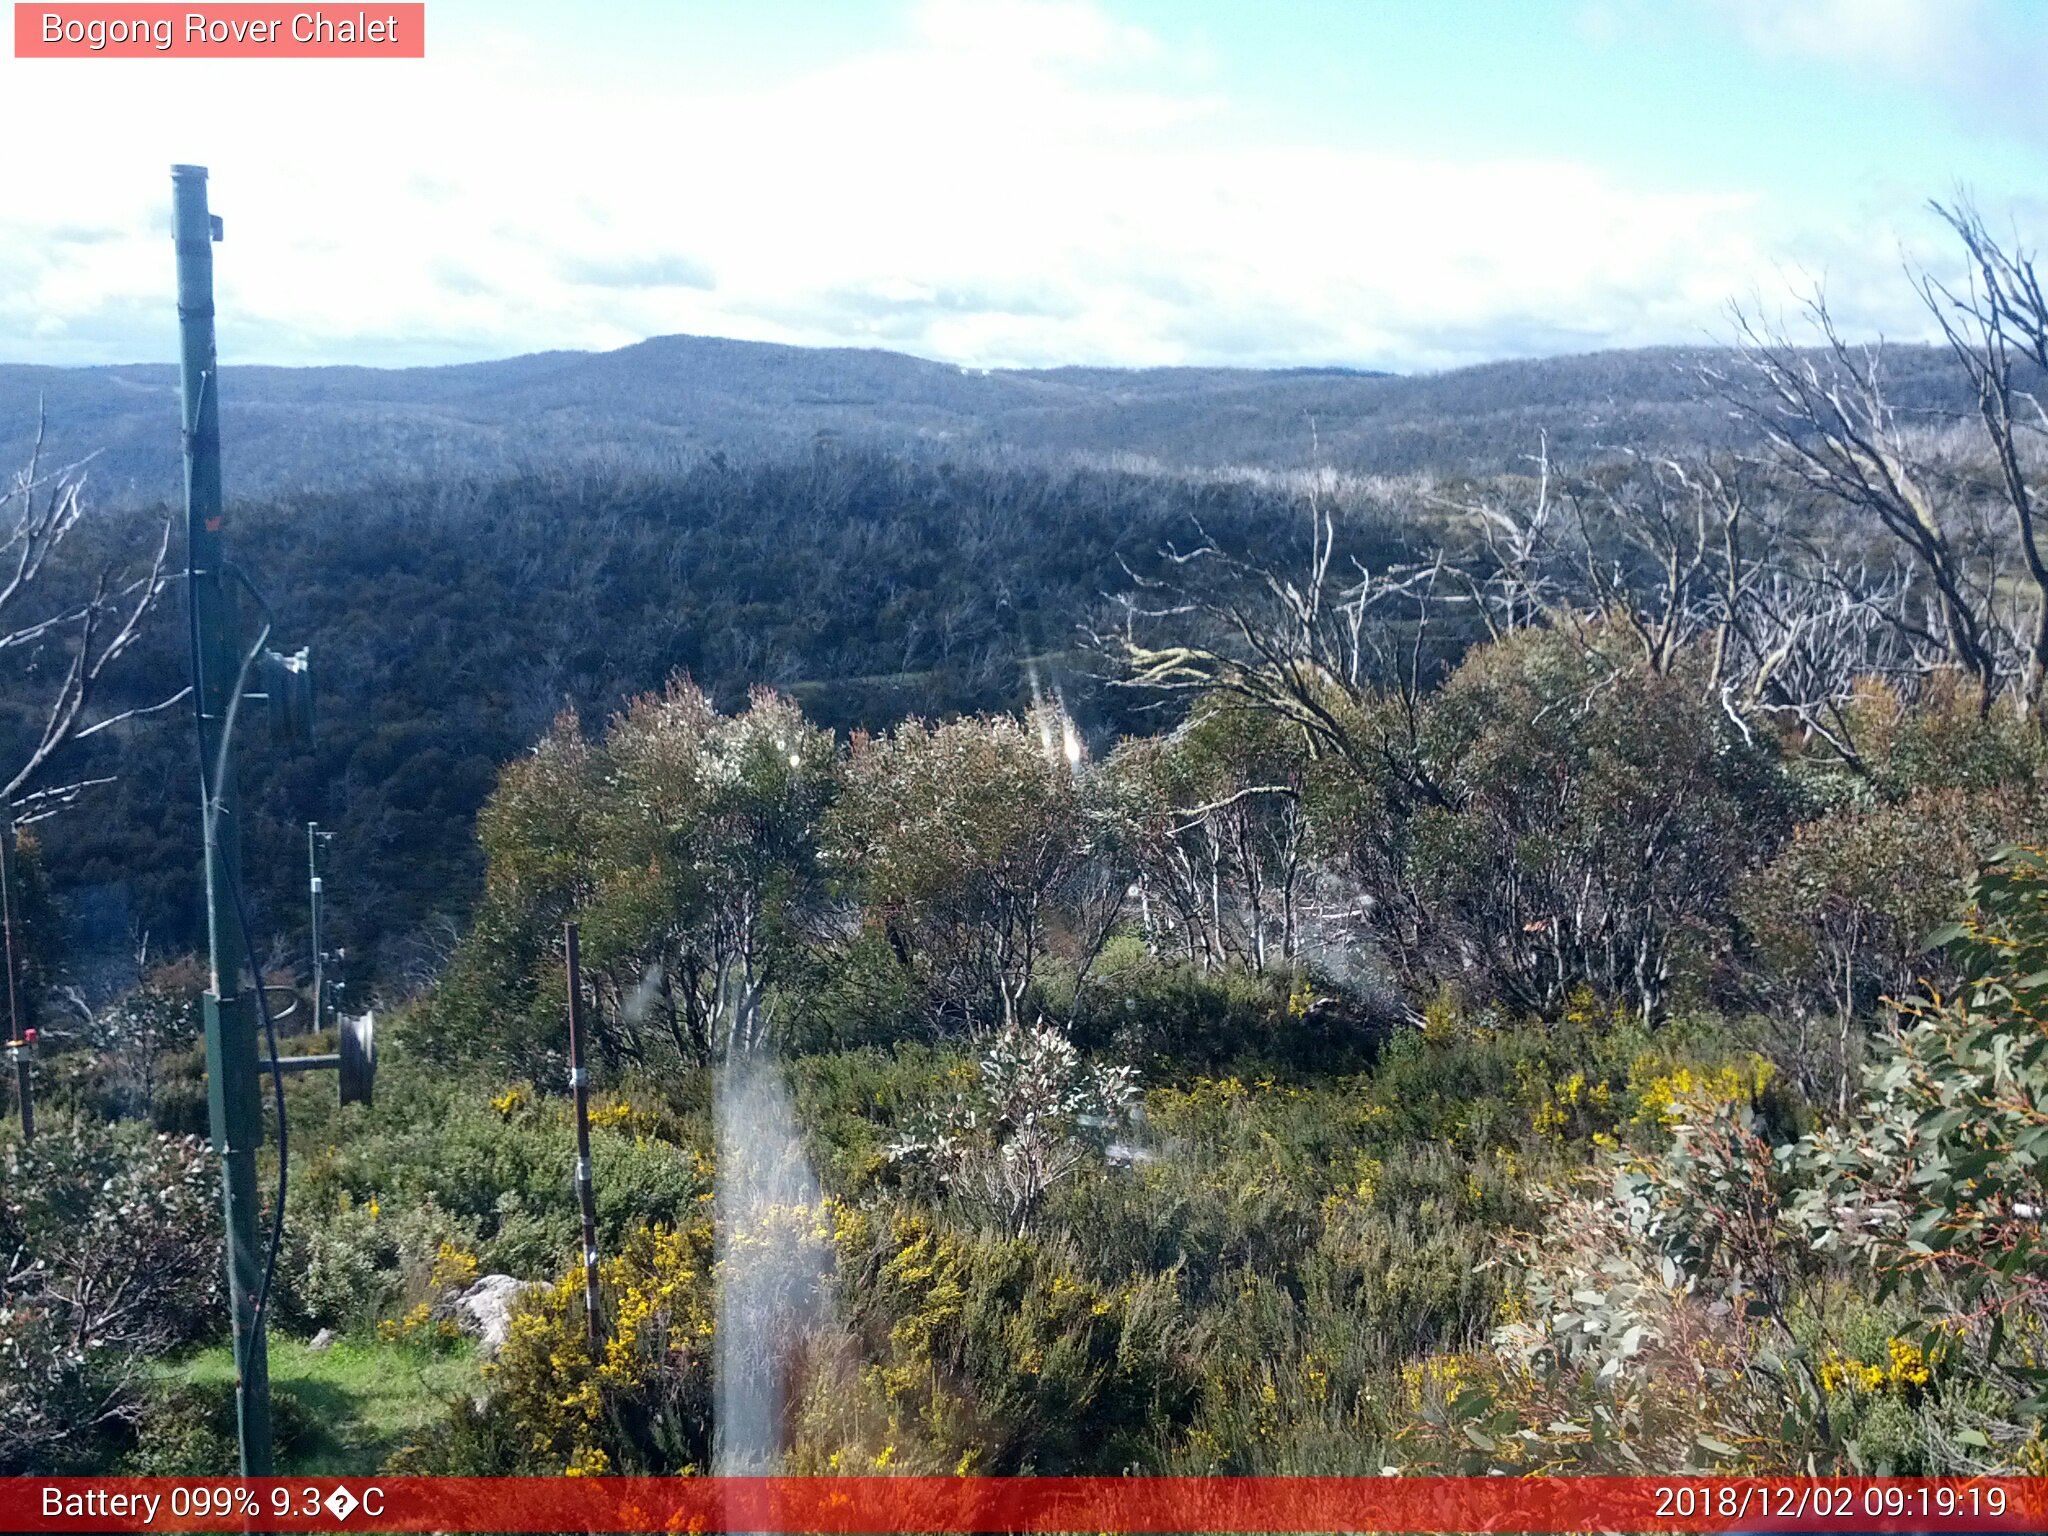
{"x": 258, "y": 1318}
{"x": 277, "y": 1089}
{"x": 261, "y": 1313}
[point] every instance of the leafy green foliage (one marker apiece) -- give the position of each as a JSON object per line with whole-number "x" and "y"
{"x": 1693, "y": 1314}
{"x": 1177, "y": 1018}
{"x": 1596, "y": 817}
{"x": 1841, "y": 916}
{"x": 1218, "y": 829}
{"x": 128, "y": 1059}
{"x": 1030, "y": 1117}
{"x": 485, "y": 1167}
{"x": 1003, "y": 1356}
{"x": 188, "y": 1426}
{"x": 960, "y": 839}
{"x": 1941, "y": 1181}
{"x": 683, "y": 844}
{"x": 111, "y": 1239}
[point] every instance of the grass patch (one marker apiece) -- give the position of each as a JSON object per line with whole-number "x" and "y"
{"x": 354, "y": 1403}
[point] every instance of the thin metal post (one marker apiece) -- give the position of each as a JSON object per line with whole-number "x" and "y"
{"x": 22, "y": 1049}
{"x": 8, "y": 837}
{"x": 579, "y": 1091}
{"x": 233, "y": 1076}
{"x": 313, "y": 886}
{"x": 18, "y": 1040}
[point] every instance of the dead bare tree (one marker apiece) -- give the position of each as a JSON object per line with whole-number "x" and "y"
{"x": 88, "y": 621}
{"x": 1999, "y": 319}
{"x": 1692, "y": 554}
{"x": 1338, "y": 653}
{"x": 1526, "y": 571}
{"x": 1831, "y": 425}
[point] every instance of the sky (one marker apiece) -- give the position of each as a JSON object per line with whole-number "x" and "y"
{"x": 1400, "y": 184}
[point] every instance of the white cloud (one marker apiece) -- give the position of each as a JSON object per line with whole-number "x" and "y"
{"x": 1016, "y": 182}
{"x": 1037, "y": 30}
{"x": 1904, "y": 36}
{"x": 1978, "y": 57}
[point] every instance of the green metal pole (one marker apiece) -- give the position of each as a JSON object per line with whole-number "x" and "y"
{"x": 234, "y": 1082}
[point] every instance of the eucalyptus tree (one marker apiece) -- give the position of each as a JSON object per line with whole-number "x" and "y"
{"x": 969, "y": 846}
{"x": 684, "y": 843}
{"x": 1219, "y": 834}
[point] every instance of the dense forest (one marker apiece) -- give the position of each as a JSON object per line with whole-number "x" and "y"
{"x": 449, "y": 625}
{"x": 1093, "y": 970}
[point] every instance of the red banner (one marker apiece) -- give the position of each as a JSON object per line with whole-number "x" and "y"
{"x": 235, "y": 31}
{"x": 852, "y": 1505}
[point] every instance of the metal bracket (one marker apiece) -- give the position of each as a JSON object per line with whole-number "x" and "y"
{"x": 355, "y": 1062}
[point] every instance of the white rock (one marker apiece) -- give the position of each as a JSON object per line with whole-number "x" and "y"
{"x": 485, "y": 1309}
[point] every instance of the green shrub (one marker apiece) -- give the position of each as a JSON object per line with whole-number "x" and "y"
{"x": 189, "y": 1429}
{"x": 853, "y": 1103}
{"x": 1287, "y": 1387}
{"x": 113, "y": 1239}
{"x": 849, "y": 995}
{"x": 498, "y": 1162}
{"x": 1593, "y": 817}
{"x": 1174, "y": 1019}
{"x": 643, "y": 1404}
{"x": 349, "y": 1268}
{"x": 1939, "y": 1181}
{"x": 127, "y": 1057}
{"x": 1033, "y": 1113}
{"x": 1005, "y": 1355}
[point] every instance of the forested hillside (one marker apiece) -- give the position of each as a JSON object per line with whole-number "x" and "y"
{"x": 666, "y": 402}
{"x": 452, "y": 617}
{"x": 1093, "y": 970}
{"x": 450, "y": 624}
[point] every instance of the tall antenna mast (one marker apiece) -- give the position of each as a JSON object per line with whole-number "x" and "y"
{"x": 221, "y": 672}
{"x": 233, "y": 1074}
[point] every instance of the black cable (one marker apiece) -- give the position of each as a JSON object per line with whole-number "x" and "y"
{"x": 277, "y": 1088}
{"x": 207, "y": 780}
{"x": 260, "y": 1315}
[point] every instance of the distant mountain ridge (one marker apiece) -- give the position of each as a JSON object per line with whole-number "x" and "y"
{"x": 678, "y": 397}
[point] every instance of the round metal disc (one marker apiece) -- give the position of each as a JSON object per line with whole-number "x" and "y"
{"x": 358, "y": 1057}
